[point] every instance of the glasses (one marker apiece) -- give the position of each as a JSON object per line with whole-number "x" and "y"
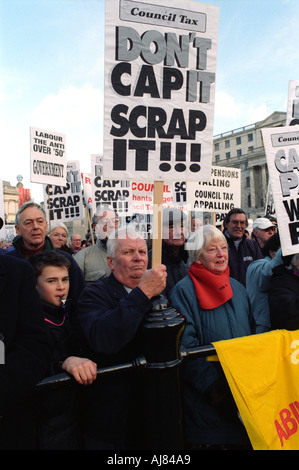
{"x": 243, "y": 223}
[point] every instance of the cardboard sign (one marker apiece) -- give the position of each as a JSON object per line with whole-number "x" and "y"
{"x": 282, "y": 152}
{"x": 221, "y": 194}
{"x": 48, "y": 157}
{"x": 142, "y": 196}
{"x": 109, "y": 193}
{"x": 87, "y": 189}
{"x": 64, "y": 203}
{"x": 160, "y": 66}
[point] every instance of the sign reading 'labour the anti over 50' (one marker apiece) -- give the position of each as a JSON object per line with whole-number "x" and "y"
{"x": 160, "y": 65}
{"x": 48, "y": 157}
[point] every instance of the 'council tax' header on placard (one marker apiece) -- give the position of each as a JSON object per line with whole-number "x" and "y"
{"x": 160, "y": 15}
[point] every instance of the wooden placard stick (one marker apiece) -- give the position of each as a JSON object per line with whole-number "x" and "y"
{"x": 157, "y": 223}
{"x": 48, "y": 201}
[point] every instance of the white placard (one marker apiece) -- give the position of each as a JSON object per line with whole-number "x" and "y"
{"x": 110, "y": 193}
{"x": 282, "y": 152}
{"x": 221, "y": 194}
{"x": 48, "y": 157}
{"x": 160, "y": 72}
{"x": 65, "y": 203}
{"x": 142, "y": 196}
{"x": 87, "y": 189}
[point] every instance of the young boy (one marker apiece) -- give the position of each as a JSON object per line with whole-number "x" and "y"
{"x": 57, "y": 412}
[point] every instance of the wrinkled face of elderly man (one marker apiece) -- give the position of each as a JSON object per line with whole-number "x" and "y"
{"x": 236, "y": 226}
{"x": 32, "y": 227}
{"x": 263, "y": 235}
{"x": 129, "y": 261}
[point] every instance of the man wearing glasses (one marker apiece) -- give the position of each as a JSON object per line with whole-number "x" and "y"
{"x": 93, "y": 259}
{"x": 31, "y": 227}
{"x": 242, "y": 250}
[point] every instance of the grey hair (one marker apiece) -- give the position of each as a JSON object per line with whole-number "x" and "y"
{"x": 25, "y": 206}
{"x": 201, "y": 238}
{"x": 100, "y": 210}
{"x": 58, "y": 224}
{"x": 126, "y": 231}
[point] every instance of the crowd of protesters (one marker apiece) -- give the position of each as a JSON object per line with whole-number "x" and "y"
{"x": 68, "y": 307}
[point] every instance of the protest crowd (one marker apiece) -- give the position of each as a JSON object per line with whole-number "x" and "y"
{"x": 70, "y": 309}
{"x": 73, "y": 306}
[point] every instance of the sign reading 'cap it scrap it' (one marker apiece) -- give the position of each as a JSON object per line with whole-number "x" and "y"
{"x": 160, "y": 66}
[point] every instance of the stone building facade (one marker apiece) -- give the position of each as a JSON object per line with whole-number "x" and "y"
{"x": 243, "y": 148}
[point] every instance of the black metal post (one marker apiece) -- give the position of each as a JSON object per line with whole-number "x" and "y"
{"x": 163, "y": 420}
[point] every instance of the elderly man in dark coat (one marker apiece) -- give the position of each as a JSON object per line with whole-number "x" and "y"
{"x": 111, "y": 312}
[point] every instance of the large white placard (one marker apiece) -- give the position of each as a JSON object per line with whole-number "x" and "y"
{"x": 48, "y": 158}
{"x": 160, "y": 66}
{"x": 142, "y": 196}
{"x": 87, "y": 189}
{"x": 282, "y": 152}
{"x": 109, "y": 193}
{"x": 65, "y": 203}
{"x": 221, "y": 194}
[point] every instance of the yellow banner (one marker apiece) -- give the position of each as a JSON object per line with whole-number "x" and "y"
{"x": 263, "y": 375}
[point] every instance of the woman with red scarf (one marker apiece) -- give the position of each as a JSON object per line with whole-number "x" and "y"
{"x": 216, "y": 308}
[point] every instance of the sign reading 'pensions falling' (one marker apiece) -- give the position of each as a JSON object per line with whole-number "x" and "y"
{"x": 160, "y": 65}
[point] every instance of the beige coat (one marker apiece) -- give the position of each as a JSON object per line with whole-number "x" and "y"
{"x": 93, "y": 262}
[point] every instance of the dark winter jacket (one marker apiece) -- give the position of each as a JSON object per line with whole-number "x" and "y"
{"x": 176, "y": 266}
{"x": 111, "y": 319}
{"x": 57, "y": 410}
{"x": 239, "y": 259}
{"x": 27, "y": 352}
{"x": 284, "y": 299}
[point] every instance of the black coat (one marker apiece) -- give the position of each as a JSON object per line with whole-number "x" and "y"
{"x": 239, "y": 259}
{"x": 284, "y": 299}
{"x": 57, "y": 410}
{"x": 111, "y": 320}
{"x": 176, "y": 266}
{"x": 27, "y": 350}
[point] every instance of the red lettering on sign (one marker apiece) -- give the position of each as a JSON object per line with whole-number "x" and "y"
{"x": 288, "y": 425}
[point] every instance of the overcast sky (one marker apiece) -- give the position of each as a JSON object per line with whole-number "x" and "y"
{"x": 52, "y": 70}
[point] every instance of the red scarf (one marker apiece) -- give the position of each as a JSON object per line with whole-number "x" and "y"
{"x": 27, "y": 252}
{"x": 212, "y": 290}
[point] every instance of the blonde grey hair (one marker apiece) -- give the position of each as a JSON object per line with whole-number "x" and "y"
{"x": 201, "y": 238}
{"x": 58, "y": 224}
